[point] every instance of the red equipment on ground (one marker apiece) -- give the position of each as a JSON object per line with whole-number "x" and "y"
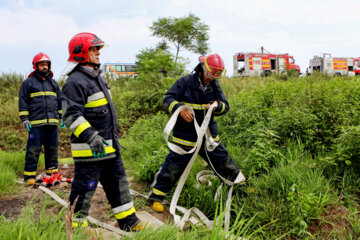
{"x": 53, "y": 180}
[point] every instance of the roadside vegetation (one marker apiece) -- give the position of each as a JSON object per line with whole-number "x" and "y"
{"x": 295, "y": 139}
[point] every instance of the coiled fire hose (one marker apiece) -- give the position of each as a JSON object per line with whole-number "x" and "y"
{"x": 210, "y": 145}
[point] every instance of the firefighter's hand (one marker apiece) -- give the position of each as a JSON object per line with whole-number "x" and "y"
{"x": 27, "y": 125}
{"x": 209, "y": 104}
{"x": 186, "y": 115}
{"x": 97, "y": 146}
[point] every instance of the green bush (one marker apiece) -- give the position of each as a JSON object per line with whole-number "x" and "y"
{"x": 145, "y": 146}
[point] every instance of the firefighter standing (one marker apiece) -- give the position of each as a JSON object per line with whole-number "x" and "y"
{"x": 90, "y": 113}
{"x": 198, "y": 91}
{"x": 40, "y": 111}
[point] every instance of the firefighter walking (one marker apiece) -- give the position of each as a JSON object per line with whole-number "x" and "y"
{"x": 40, "y": 111}
{"x": 90, "y": 113}
{"x": 198, "y": 91}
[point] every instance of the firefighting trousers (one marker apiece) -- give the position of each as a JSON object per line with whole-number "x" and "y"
{"x": 43, "y": 135}
{"x": 111, "y": 174}
{"x": 175, "y": 163}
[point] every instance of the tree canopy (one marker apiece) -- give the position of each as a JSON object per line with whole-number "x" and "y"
{"x": 185, "y": 32}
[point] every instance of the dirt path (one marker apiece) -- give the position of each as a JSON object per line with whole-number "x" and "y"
{"x": 12, "y": 206}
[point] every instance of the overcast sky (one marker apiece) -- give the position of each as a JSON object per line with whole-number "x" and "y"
{"x": 302, "y": 28}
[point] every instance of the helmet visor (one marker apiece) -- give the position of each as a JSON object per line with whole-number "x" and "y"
{"x": 214, "y": 72}
{"x": 98, "y": 45}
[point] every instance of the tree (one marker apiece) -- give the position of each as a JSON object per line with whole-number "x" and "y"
{"x": 186, "y": 32}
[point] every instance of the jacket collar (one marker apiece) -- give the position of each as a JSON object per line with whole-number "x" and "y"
{"x": 94, "y": 73}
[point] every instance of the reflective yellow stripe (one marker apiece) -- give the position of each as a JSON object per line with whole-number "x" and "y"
{"x": 183, "y": 142}
{"x": 38, "y": 121}
{"x": 158, "y": 192}
{"x": 97, "y": 103}
{"x": 207, "y": 66}
{"x": 125, "y": 213}
{"x": 53, "y": 120}
{"x": 60, "y": 111}
{"x": 22, "y": 113}
{"x": 80, "y": 224}
{"x": 222, "y": 109}
{"x": 217, "y": 138}
{"x": 195, "y": 106}
{"x": 51, "y": 170}
{"x": 88, "y": 153}
{"x": 82, "y": 127}
{"x": 46, "y": 93}
{"x": 29, "y": 173}
{"x": 172, "y": 106}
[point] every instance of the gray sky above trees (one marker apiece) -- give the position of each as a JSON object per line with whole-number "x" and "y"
{"x": 302, "y": 28}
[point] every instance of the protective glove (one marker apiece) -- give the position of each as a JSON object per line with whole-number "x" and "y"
{"x": 27, "y": 125}
{"x": 97, "y": 146}
{"x": 62, "y": 124}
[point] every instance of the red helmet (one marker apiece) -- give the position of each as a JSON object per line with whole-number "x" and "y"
{"x": 79, "y": 46}
{"x": 213, "y": 64}
{"x": 41, "y": 57}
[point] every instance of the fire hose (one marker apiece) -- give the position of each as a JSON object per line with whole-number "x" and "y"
{"x": 210, "y": 145}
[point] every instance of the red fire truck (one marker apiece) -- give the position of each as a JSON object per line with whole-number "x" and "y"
{"x": 263, "y": 63}
{"x": 335, "y": 65}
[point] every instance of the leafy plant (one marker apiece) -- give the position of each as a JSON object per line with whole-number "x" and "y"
{"x": 186, "y": 32}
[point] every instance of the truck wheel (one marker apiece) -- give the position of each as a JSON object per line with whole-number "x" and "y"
{"x": 267, "y": 73}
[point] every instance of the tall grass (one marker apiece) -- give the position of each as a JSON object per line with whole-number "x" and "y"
{"x": 11, "y": 169}
{"x": 295, "y": 139}
{"x": 291, "y": 137}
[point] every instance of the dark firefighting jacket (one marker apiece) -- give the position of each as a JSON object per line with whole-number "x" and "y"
{"x": 40, "y": 101}
{"x": 88, "y": 110}
{"x": 188, "y": 91}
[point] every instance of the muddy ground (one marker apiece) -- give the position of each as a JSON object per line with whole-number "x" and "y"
{"x": 11, "y": 206}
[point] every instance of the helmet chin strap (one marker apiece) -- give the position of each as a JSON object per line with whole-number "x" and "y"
{"x": 95, "y": 65}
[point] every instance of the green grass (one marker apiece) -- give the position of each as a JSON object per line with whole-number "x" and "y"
{"x": 295, "y": 139}
{"x": 36, "y": 225}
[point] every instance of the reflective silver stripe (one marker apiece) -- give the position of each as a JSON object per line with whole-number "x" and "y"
{"x": 158, "y": 192}
{"x": 123, "y": 208}
{"x": 85, "y": 146}
{"x": 172, "y": 105}
{"x": 96, "y": 96}
{"x": 77, "y": 122}
{"x": 183, "y": 142}
{"x": 195, "y": 106}
{"x": 46, "y": 93}
{"x": 79, "y": 219}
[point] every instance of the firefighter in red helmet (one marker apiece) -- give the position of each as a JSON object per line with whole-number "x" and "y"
{"x": 198, "y": 90}
{"x": 40, "y": 112}
{"x": 90, "y": 113}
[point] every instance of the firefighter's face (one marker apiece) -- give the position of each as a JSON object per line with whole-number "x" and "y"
{"x": 94, "y": 53}
{"x": 43, "y": 66}
{"x": 207, "y": 78}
